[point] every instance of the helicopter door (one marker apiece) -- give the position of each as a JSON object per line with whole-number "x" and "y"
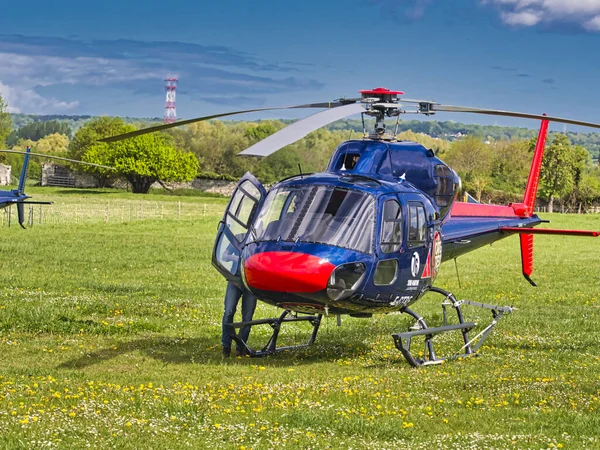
{"x": 387, "y": 270}
{"x": 235, "y": 226}
{"x": 418, "y": 239}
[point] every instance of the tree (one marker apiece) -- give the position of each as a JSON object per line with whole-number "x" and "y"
{"x": 589, "y": 189}
{"x": 38, "y": 130}
{"x": 558, "y": 170}
{"x": 98, "y": 128}
{"x": 87, "y": 137}
{"x": 472, "y": 159}
{"x": 5, "y": 122}
{"x": 53, "y": 144}
{"x": 143, "y": 160}
{"x": 257, "y": 132}
{"x": 510, "y": 166}
{"x": 16, "y": 161}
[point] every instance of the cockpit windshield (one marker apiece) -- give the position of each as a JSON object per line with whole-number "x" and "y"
{"x": 320, "y": 214}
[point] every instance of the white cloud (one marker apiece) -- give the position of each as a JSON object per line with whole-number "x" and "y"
{"x": 21, "y": 75}
{"x": 585, "y": 13}
{"x": 524, "y": 18}
{"x": 21, "y": 99}
{"x": 593, "y": 24}
{"x": 36, "y": 72}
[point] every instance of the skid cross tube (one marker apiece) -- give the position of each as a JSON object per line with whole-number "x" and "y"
{"x": 275, "y": 323}
{"x": 471, "y": 346}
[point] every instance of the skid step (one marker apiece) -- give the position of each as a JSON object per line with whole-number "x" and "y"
{"x": 403, "y": 341}
{"x": 433, "y": 331}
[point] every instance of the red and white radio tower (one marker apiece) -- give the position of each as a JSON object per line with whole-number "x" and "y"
{"x": 171, "y": 88}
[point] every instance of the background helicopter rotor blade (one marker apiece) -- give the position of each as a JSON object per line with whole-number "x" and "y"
{"x": 57, "y": 157}
{"x": 495, "y": 112}
{"x": 301, "y": 128}
{"x": 120, "y": 137}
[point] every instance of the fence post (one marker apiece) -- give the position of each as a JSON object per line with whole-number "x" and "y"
{"x": 107, "y": 212}
{"x": 179, "y": 210}
{"x": 30, "y": 217}
{"x": 204, "y": 210}
{"x": 141, "y": 209}
{"x": 40, "y": 214}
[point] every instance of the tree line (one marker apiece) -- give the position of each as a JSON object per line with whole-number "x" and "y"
{"x": 492, "y": 169}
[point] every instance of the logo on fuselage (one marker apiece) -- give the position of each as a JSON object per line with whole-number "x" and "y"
{"x": 415, "y": 264}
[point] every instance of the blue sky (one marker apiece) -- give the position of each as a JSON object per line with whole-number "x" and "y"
{"x": 111, "y": 57}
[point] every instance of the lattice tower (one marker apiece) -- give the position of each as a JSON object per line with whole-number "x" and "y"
{"x": 171, "y": 89}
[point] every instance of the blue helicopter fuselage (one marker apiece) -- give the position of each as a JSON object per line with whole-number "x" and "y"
{"x": 368, "y": 235}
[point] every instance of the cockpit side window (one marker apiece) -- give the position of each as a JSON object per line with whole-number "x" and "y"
{"x": 445, "y": 189}
{"x": 417, "y": 225}
{"x": 391, "y": 227}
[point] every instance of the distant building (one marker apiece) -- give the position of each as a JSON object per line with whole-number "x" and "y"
{"x": 63, "y": 176}
{"x": 5, "y": 172}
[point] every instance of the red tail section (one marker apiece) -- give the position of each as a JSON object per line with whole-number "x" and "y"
{"x": 527, "y": 207}
{"x": 527, "y": 256}
{"x": 536, "y": 168}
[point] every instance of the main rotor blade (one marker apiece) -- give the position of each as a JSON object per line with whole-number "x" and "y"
{"x": 166, "y": 126}
{"x": 58, "y": 157}
{"x": 495, "y": 112}
{"x": 301, "y": 128}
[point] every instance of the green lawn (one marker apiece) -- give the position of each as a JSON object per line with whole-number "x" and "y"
{"x": 109, "y": 335}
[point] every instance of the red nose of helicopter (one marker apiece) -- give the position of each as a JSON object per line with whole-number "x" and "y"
{"x": 287, "y": 272}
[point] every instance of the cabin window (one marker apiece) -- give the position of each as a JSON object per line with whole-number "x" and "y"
{"x": 347, "y": 161}
{"x": 391, "y": 227}
{"x": 241, "y": 209}
{"x": 417, "y": 225}
{"x": 227, "y": 255}
{"x": 444, "y": 191}
{"x": 386, "y": 272}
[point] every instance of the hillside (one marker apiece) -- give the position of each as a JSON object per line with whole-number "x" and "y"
{"x": 448, "y": 130}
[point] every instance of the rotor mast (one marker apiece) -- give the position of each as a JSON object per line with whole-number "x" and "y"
{"x": 381, "y": 103}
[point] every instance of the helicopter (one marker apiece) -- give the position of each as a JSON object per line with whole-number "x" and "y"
{"x": 17, "y": 196}
{"x": 367, "y": 235}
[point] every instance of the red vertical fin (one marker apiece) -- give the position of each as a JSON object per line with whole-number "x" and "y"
{"x": 536, "y": 167}
{"x": 528, "y": 206}
{"x": 527, "y": 256}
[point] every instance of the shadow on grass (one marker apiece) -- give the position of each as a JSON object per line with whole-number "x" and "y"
{"x": 76, "y": 191}
{"x": 172, "y": 350}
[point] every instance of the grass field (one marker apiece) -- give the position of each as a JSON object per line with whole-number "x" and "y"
{"x": 109, "y": 336}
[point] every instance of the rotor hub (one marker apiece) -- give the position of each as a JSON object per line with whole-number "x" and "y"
{"x": 380, "y": 95}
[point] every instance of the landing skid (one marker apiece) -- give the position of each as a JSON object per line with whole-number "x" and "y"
{"x": 275, "y": 323}
{"x": 403, "y": 340}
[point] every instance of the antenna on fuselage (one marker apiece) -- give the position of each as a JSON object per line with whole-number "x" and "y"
{"x": 457, "y": 274}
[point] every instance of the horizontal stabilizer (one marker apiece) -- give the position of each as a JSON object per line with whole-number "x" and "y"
{"x": 36, "y": 203}
{"x": 551, "y": 231}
